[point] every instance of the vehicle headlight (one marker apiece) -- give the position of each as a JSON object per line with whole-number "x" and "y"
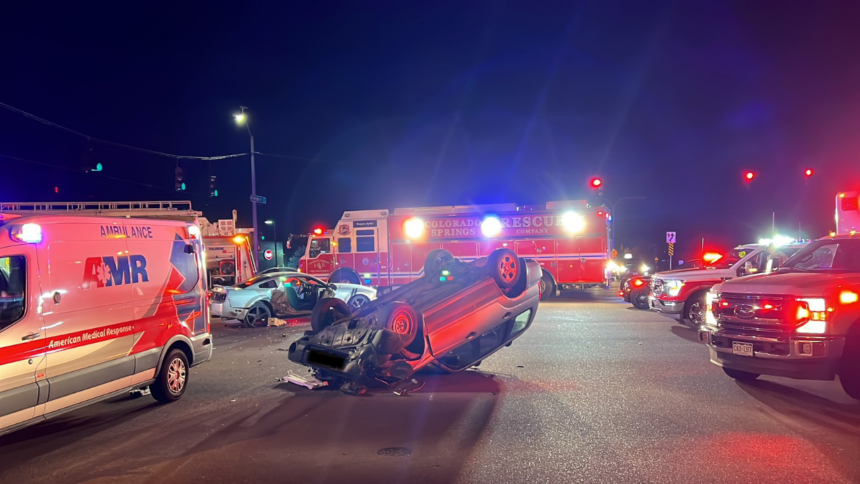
{"x": 710, "y": 298}
{"x": 673, "y": 287}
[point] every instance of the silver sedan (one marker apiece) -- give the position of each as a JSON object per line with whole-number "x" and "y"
{"x": 251, "y": 301}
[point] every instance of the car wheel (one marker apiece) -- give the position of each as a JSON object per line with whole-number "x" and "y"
{"x": 694, "y": 312}
{"x": 258, "y": 316}
{"x": 435, "y": 260}
{"x": 504, "y": 267}
{"x": 849, "y": 371}
{"x": 739, "y": 375}
{"x": 400, "y": 318}
{"x": 342, "y": 275}
{"x": 547, "y": 287}
{"x": 172, "y": 380}
{"x": 327, "y": 312}
{"x": 639, "y": 299}
{"x": 358, "y": 301}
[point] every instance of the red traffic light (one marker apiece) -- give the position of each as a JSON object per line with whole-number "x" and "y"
{"x": 596, "y": 182}
{"x": 749, "y": 175}
{"x": 808, "y": 172}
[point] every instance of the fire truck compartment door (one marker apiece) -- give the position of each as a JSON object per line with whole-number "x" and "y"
{"x": 569, "y": 261}
{"x": 592, "y": 256}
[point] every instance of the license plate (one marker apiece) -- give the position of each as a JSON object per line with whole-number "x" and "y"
{"x": 742, "y": 349}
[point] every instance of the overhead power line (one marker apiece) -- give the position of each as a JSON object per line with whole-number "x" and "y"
{"x": 143, "y": 150}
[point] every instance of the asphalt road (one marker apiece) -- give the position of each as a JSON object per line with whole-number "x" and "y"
{"x": 595, "y": 391}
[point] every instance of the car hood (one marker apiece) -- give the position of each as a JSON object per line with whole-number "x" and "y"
{"x": 790, "y": 283}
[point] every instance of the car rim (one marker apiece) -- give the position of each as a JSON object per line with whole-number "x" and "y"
{"x": 401, "y": 322}
{"x": 176, "y": 376}
{"x": 508, "y": 268}
{"x": 697, "y": 316}
{"x": 358, "y": 301}
{"x": 257, "y": 315}
{"x": 542, "y": 288}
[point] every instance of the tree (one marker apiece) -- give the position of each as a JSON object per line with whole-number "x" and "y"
{"x": 293, "y": 261}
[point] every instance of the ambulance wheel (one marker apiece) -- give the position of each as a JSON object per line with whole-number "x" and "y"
{"x": 172, "y": 380}
{"x": 342, "y": 275}
{"x": 400, "y": 318}
{"x": 435, "y": 260}
{"x": 327, "y": 311}
{"x": 547, "y": 287}
{"x": 504, "y": 267}
{"x": 258, "y": 316}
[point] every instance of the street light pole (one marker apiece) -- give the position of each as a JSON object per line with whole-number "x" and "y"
{"x": 242, "y": 118}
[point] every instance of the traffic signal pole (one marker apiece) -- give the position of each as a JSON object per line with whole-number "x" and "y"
{"x": 255, "y": 238}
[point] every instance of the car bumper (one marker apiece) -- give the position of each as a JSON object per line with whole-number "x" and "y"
{"x": 224, "y": 311}
{"x": 675, "y": 308}
{"x": 799, "y": 357}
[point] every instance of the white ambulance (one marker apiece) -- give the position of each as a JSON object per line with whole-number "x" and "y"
{"x": 92, "y": 307}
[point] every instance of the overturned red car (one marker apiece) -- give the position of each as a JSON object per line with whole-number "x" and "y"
{"x": 453, "y": 317}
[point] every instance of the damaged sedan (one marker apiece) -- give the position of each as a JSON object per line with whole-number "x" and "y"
{"x": 453, "y": 317}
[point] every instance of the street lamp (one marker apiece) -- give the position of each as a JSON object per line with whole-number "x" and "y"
{"x": 612, "y": 211}
{"x": 275, "y": 228}
{"x": 241, "y": 119}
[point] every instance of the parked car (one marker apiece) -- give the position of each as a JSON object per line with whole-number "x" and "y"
{"x": 252, "y": 301}
{"x": 635, "y": 290}
{"x": 453, "y": 317}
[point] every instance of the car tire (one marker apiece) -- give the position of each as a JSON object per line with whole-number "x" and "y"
{"x": 849, "y": 367}
{"x": 401, "y": 318}
{"x": 739, "y": 375}
{"x": 547, "y": 287}
{"x": 327, "y": 312}
{"x": 172, "y": 379}
{"x": 257, "y": 316}
{"x": 343, "y": 275}
{"x": 639, "y": 299}
{"x": 358, "y": 301}
{"x": 504, "y": 267}
{"x": 694, "y": 310}
{"x": 435, "y": 260}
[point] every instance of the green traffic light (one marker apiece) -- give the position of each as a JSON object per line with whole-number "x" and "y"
{"x": 98, "y": 167}
{"x": 215, "y": 194}
{"x": 262, "y": 237}
{"x": 182, "y": 187}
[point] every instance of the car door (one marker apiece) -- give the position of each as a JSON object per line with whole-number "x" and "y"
{"x": 22, "y": 338}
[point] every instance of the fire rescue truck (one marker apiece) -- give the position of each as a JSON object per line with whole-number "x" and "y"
{"x": 387, "y": 248}
{"x": 228, "y": 252}
{"x": 801, "y": 322}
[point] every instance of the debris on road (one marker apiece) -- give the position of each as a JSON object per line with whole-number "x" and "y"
{"x": 308, "y": 381}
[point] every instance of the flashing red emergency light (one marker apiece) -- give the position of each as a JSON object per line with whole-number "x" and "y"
{"x": 809, "y": 172}
{"x": 318, "y": 231}
{"x": 596, "y": 182}
{"x": 749, "y": 176}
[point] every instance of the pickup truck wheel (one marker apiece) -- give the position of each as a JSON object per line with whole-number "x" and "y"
{"x": 739, "y": 375}
{"x": 327, "y": 311}
{"x": 172, "y": 380}
{"x": 400, "y": 318}
{"x": 694, "y": 311}
{"x": 849, "y": 372}
{"x": 639, "y": 299}
{"x": 504, "y": 267}
{"x": 547, "y": 287}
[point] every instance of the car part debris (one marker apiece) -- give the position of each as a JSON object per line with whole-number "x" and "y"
{"x": 308, "y": 381}
{"x": 454, "y": 316}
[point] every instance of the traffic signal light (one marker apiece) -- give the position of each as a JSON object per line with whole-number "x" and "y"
{"x": 213, "y": 186}
{"x": 596, "y": 183}
{"x": 88, "y": 162}
{"x": 178, "y": 181}
{"x": 808, "y": 172}
{"x": 748, "y": 176}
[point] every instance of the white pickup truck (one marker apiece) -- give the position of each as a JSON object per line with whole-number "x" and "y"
{"x": 802, "y": 321}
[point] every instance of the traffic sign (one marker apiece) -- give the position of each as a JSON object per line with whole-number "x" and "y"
{"x": 259, "y": 199}
{"x": 671, "y": 249}
{"x": 670, "y": 237}
{"x": 268, "y": 255}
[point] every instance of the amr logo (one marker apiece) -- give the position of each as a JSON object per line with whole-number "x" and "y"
{"x": 114, "y": 271}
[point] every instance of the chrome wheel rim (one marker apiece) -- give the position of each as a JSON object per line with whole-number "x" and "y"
{"x": 176, "y": 375}
{"x": 697, "y": 314}
{"x": 359, "y": 301}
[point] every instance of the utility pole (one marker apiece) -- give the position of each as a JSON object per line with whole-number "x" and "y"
{"x": 242, "y": 118}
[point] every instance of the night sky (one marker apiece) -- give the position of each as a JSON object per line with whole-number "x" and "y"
{"x": 393, "y": 104}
